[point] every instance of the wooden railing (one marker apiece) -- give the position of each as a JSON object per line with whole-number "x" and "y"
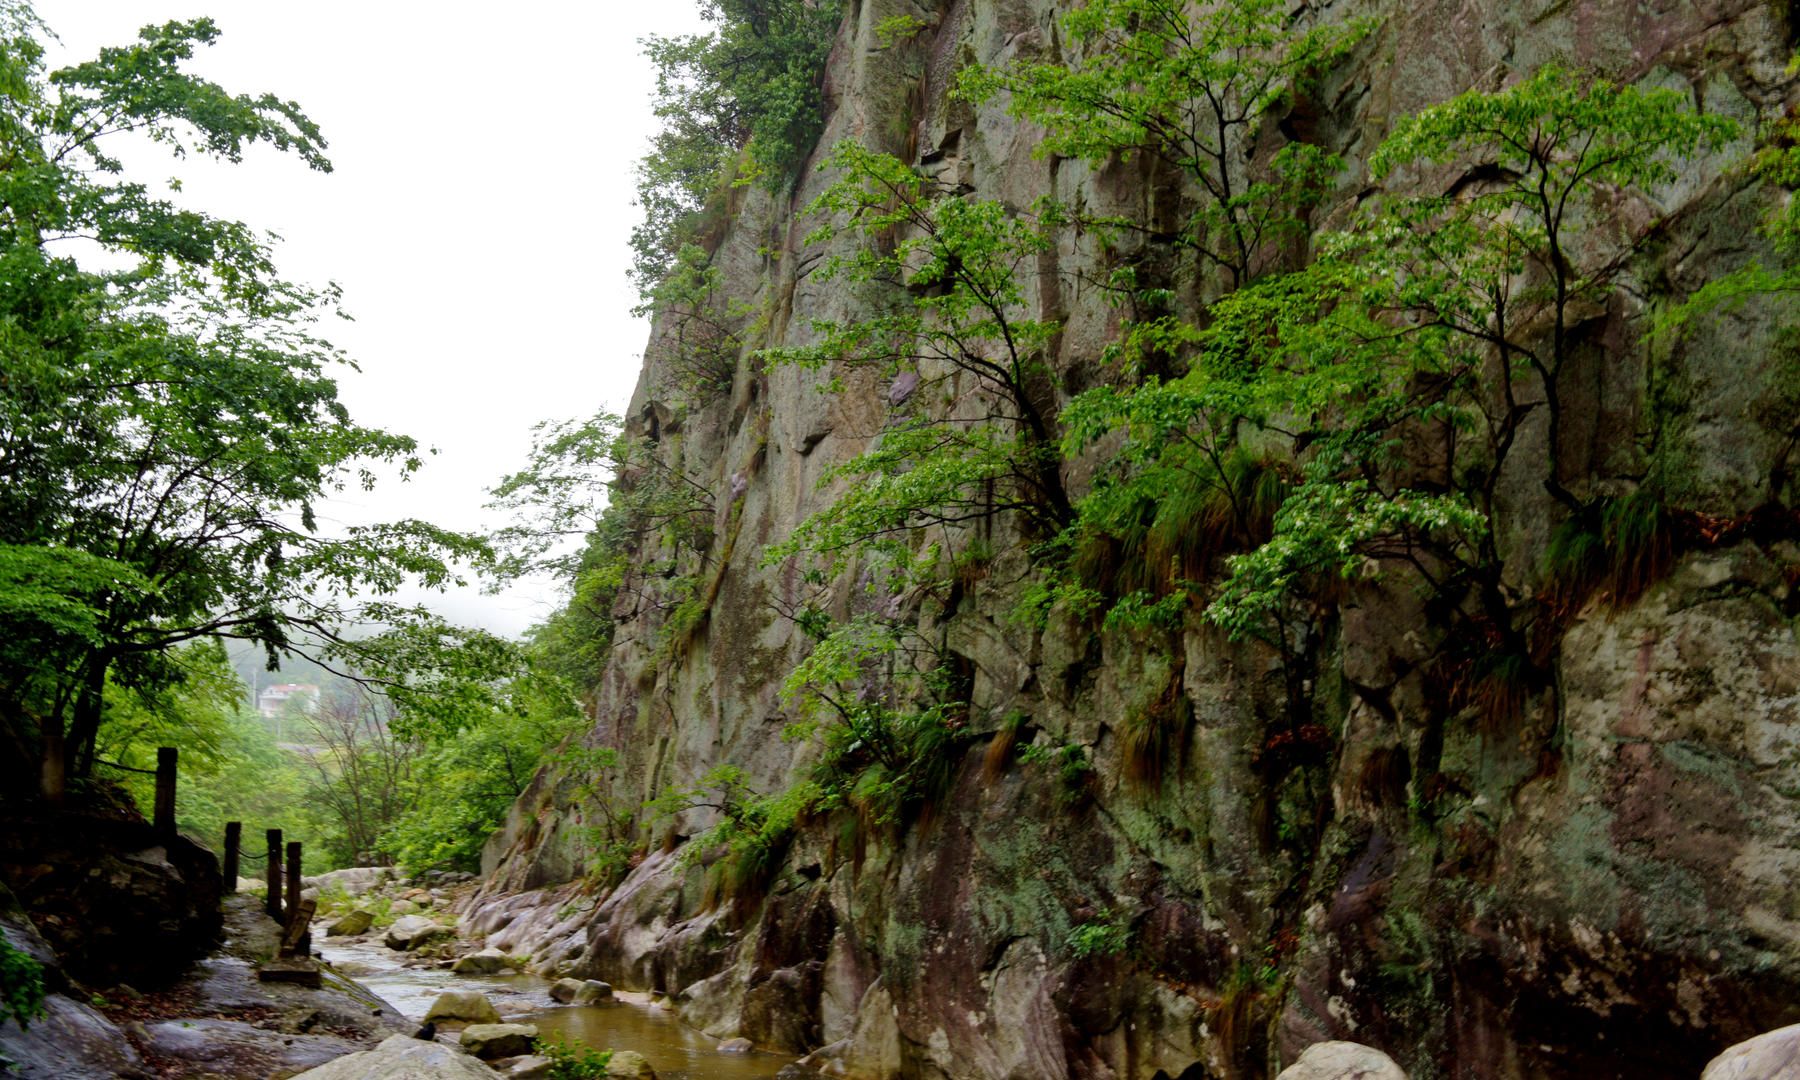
{"x": 295, "y": 914}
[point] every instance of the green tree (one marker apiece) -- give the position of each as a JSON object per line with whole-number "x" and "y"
{"x": 169, "y": 424}
{"x": 742, "y": 100}
{"x": 1395, "y": 373}
{"x": 974, "y": 433}
{"x": 1192, "y": 86}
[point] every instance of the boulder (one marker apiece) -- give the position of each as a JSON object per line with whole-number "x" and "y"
{"x": 739, "y": 1045}
{"x": 116, "y": 900}
{"x": 485, "y": 962}
{"x": 401, "y": 1058}
{"x": 530, "y": 1067}
{"x": 470, "y": 1006}
{"x": 565, "y": 990}
{"x": 1773, "y": 1055}
{"x": 593, "y": 992}
{"x": 351, "y": 924}
{"x": 403, "y": 907}
{"x": 490, "y": 1041}
{"x": 352, "y": 881}
{"x": 250, "y": 884}
{"x": 629, "y": 1065}
{"x": 1342, "y": 1061}
{"x": 412, "y": 931}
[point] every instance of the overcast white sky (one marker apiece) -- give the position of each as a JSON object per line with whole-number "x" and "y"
{"x": 477, "y": 218}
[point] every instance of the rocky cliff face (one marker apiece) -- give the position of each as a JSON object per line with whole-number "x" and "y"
{"x": 1605, "y": 884}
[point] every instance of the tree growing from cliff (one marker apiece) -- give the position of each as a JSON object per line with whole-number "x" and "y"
{"x": 742, "y": 101}
{"x": 1396, "y": 373}
{"x": 1191, "y": 85}
{"x": 972, "y": 429}
{"x": 168, "y": 425}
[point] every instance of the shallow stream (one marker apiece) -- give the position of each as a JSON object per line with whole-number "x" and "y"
{"x": 674, "y": 1050}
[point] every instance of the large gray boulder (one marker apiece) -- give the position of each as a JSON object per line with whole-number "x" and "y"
{"x": 1773, "y": 1055}
{"x": 1342, "y": 1061}
{"x": 564, "y": 990}
{"x": 403, "y": 1058}
{"x": 351, "y": 924}
{"x": 466, "y": 1005}
{"x": 412, "y": 931}
{"x": 629, "y": 1065}
{"x": 485, "y": 962}
{"x": 353, "y": 881}
{"x": 490, "y": 1041}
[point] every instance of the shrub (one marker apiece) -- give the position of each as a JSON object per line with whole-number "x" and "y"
{"x": 573, "y": 1061}
{"x": 21, "y": 986}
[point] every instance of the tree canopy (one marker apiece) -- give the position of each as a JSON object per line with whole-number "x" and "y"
{"x": 170, "y": 421}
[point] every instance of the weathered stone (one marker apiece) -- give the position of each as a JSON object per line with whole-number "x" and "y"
{"x": 470, "y": 1006}
{"x": 739, "y": 1045}
{"x": 593, "y": 992}
{"x": 629, "y": 1065}
{"x": 565, "y": 990}
{"x": 412, "y": 931}
{"x": 530, "y": 1067}
{"x": 350, "y": 924}
{"x": 490, "y": 1041}
{"x": 1342, "y": 1061}
{"x": 1594, "y": 879}
{"x": 402, "y": 1058}
{"x": 300, "y": 970}
{"x": 116, "y": 900}
{"x": 1773, "y": 1055}
{"x": 485, "y": 962}
{"x": 403, "y": 907}
{"x": 352, "y": 881}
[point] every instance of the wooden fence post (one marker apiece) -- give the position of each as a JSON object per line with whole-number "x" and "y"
{"x": 234, "y": 838}
{"x": 165, "y": 790}
{"x": 55, "y": 769}
{"x": 272, "y": 902}
{"x": 295, "y": 938}
{"x": 293, "y": 872}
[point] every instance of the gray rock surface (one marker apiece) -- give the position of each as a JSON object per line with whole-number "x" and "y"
{"x": 404, "y": 1058}
{"x": 353, "y": 880}
{"x": 629, "y": 1065}
{"x": 412, "y": 931}
{"x": 490, "y": 1041}
{"x": 1773, "y": 1055}
{"x": 485, "y": 962}
{"x": 351, "y": 924}
{"x": 471, "y": 1006}
{"x": 1597, "y": 884}
{"x": 1342, "y": 1061}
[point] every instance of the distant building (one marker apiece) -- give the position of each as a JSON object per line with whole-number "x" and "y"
{"x": 273, "y": 702}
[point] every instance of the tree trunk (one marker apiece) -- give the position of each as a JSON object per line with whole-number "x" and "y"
{"x": 84, "y": 728}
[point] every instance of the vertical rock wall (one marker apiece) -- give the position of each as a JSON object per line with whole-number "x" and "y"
{"x": 1610, "y": 888}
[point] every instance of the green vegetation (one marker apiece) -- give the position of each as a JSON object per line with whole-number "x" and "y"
{"x": 573, "y": 1061}
{"x": 171, "y": 422}
{"x": 1191, "y": 87}
{"x": 972, "y": 436}
{"x": 1103, "y": 935}
{"x": 1375, "y": 395}
{"x": 1067, "y": 762}
{"x": 21, "y": 987}
{"x": 740, "y": 103}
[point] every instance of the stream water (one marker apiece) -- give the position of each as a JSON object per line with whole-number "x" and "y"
{"x": 674, "y": 1050}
